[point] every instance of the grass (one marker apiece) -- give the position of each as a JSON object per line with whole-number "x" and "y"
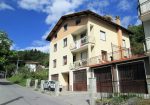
{"x": 143, "y": 102}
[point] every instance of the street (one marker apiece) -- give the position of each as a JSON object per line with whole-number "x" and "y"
{"x": 11, "y": 94}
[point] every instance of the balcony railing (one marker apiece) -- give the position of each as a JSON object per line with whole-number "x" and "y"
{"x": 148, "y": 43}
{"x": 81, "y": 42}
{"x": 80, "y": 63}
{"x": 144, "y": 7}
{"x": 123, "y": 54}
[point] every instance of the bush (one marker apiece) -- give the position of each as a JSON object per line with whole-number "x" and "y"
{"x": 24, "y": 73}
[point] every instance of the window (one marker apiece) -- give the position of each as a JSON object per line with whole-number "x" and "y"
{"x": 55, "y": 47}
{"x": 83, "y": 55}
{"x": 74, "y": 58}
{"x": 123, "y": 43}
{"x": 54, "y": 63}
{"x": 55, "y": 36}
{"x": 104, "y": 55}
{"x": 103, "y": 35}
{"x": 78, "y": 20}
{"x": 65, "y": 42}
{"x": 65, "y": 27}
{"x": 64, "y": 60}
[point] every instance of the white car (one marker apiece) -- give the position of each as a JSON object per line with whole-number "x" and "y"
{"x": 50, "y": 85}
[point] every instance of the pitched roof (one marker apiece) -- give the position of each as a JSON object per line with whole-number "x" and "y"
{"x": 83, "y": 13}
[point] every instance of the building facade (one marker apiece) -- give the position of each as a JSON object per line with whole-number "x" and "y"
{"x": 144, "y": 14}
{"x": 82, "y": 41}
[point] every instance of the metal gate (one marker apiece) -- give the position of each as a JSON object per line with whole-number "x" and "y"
{"x": 104, "y": 79}
{"x": 132, "y": 77}
{"x": 80, "y": 80}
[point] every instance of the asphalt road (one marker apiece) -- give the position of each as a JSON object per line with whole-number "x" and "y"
{"x": 11, "y": 94}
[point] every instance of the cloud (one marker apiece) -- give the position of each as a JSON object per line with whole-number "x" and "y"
{"x": 37, "y": 5}
{"x": 53, "y": 8}
{"x": 4, "y": 6}
{"x": 124, "y": 5}
{"x": 126, "y": 21}
{"x": 98, "y": 6}
{"x": 38, "y": 43}
{"x": 61, "y": 7}
{"x": 14, "y": 47}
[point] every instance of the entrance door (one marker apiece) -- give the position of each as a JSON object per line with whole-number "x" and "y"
{"x": 103, "y": 79}
{"x": 132, "y": 77}
{"x": 80, "y": 80}
{"x": 66, "y": 79}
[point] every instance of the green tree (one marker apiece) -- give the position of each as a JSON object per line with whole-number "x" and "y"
{"x": 137, "y": 39}
{"x": 5, "y": 44}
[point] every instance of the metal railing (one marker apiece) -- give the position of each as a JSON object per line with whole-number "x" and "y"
{"x": 80, "y": 63}
{"x": 144, "y": 7}
{"x": 81, "y": 42}
{"x": 123, "y": 54}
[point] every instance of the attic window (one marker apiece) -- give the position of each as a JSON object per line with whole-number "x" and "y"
{"x": 78, "y": 20}
{"x": 55, "y": 36}
{"x": 65, "y": 27}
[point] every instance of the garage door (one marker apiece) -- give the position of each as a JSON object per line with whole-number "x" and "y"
{"x": 103, "y": 79}
{"x": 80, "y": 80}
{"x": 132, "y": 77}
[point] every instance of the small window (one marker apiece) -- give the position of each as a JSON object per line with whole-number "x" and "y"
{"x": 54, "y": 63}
{"x": 64, "y": 60}
{"x": 55, "y": 47}
{"x": 65, "y": 42}
{"x": 65, "y": 27}
{"x": 55, "y": 36}
{"x": 104, "y": 55}
{"x": 123, "y": 43}
{"x": 103, "y": 35}
{"x": 74, "y": 58}
{"x": 78, "y": 21}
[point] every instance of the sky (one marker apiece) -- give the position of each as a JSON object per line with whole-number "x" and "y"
{"x": 28, "y": 22}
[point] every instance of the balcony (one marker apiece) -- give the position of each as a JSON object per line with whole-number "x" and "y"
{"x": 80, "y": 63}
{"x": 81, "y": 44}
{"x": 148, "y": 44}
{"x": 116, "y": 56}
{"x": 144, "y": 9}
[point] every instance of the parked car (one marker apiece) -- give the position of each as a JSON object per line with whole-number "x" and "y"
{"x": 50, "y": 85}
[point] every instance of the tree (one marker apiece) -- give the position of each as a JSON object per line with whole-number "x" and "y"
{"x": 137, "y": 39}
{"x": 5, "y": 44}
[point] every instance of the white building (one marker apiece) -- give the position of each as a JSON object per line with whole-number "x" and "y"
{"x": 32, "y": 65}
{"x": 144, "y": 13}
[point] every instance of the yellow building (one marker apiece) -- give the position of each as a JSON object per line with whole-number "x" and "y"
{"x": 81, "y": 40}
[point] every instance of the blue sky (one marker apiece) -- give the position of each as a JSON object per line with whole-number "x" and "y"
{"x": 28, "y": 22}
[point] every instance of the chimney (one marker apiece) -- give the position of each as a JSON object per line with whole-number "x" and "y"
{"x": 118, "y": 20}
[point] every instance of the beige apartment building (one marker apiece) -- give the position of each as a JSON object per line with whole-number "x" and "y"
{"x": 82, "y": 39}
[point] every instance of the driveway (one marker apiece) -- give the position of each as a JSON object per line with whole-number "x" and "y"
{"x": 12, "y": 94}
